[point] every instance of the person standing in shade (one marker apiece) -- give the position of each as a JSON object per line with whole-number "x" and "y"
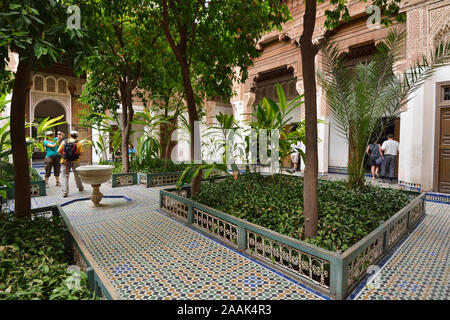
{"x": 70, "y": 150}
{"x": 52, "y": 157}
{"x": 390, "y": 149}
{"x": 375, "y": 157}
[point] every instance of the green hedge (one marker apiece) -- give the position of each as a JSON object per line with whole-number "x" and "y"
{"x": 276, "y": 202}
{"x": 153, "y": 166}
{"x": 33, "y": 263}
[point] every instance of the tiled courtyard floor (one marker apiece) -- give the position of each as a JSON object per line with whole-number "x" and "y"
{"x": 148, "y": 255}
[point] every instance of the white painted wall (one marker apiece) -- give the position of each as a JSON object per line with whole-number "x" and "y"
{"x": 323, "y": 132}
{"x": 181, "y": 151}
{"x": 7, "y": 111}
{"x": 338, "y": 146}
{"x": 417, "y": 129}
{"x": 133, "y": 139}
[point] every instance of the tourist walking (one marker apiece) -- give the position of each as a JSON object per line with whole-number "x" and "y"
{"x": 390, "y": 149}
{"x": 375, "y": 158}
{"x": 52, "y": 157}
{"x": 70, "y": 150}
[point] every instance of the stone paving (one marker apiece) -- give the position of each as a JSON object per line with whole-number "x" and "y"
{"x": 145, "y": 254}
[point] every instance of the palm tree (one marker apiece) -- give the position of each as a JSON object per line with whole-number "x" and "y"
{"x": 359, "y": 97}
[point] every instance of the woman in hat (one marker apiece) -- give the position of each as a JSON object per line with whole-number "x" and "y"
{"x": 52, "y": 157}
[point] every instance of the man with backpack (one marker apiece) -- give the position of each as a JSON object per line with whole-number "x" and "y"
{"x": 70, "y": 150}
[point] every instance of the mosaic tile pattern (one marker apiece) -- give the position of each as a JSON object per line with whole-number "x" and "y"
{"x": 420, "y": 268}
{"x": 151, "y": 256}
{"x": 141, "y": 200}
{"x": 148, "y": 255}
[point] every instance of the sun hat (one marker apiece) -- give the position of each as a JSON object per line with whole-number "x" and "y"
{"x": 49, "y": 133}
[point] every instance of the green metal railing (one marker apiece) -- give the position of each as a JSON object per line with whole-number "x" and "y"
{"x": 123, "y": 179}
{"x": 329, "y": 272}
{"x": 158, "y": 179}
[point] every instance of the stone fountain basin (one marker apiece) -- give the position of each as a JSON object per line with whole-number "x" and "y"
{"x": 95, "y": 174}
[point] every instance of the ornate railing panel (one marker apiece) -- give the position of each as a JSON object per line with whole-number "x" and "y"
{"x": 164, "y": 179}
{"x": 370, "y": 250}
{"x": 37, "y": 188}
{"x": 357, "y": 267}
{"x": 300, "y": 263}
{"x": 175, "y": 207}
{"x": 143, "y": 179}
{"x": 125, "y": 180}
{"x": 398, "y": 229}
{"x": 220, "y": 228}
{"x": 415, "y": 213}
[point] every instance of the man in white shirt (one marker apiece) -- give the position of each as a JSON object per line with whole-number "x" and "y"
{"x": 390, "y": 149}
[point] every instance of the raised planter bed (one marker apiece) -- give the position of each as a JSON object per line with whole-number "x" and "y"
{"x": 148, "y": 179}
{"x": 97, "y": 281}
{"x": 158, "y": 179}
{"x": 37, "y": 187}
{"x": 123, "y": 179}
{"x": 334, "y": 274}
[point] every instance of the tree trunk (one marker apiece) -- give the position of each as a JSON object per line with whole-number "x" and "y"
{"x": 127, "y": 117}
{"x": 308, "y": 53}
{"x": 22, "y": 189}
{"x": 168, "y": 137}
{"x": 193, "y": 117}
{"x": 165, "y": 126}
{"x": 180, "y": 53}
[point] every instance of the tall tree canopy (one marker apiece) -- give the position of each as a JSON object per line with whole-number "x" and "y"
{"x": 126, "y": 34}
{"x": 210, "y": 39}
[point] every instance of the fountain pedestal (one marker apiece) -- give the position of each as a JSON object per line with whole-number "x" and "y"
{"x": 95, "y": 175}
{"x": 96, "y": 195}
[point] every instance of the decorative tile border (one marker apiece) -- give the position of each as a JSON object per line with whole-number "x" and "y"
{"x": 403, "y": 185}
{"x": 438, "y": 197}
{"x": 342, "y": 170}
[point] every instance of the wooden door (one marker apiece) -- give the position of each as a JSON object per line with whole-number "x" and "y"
{"x": 444, "y": 151}
{"x": 397, "y": 138}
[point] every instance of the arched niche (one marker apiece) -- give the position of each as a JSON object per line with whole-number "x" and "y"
{"x": 50, "y": 108}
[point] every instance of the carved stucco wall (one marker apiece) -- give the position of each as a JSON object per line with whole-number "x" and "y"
{"x": 427, "y": 23}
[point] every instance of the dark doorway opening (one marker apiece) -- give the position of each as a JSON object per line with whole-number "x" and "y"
{"x": 389, "y": 126}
